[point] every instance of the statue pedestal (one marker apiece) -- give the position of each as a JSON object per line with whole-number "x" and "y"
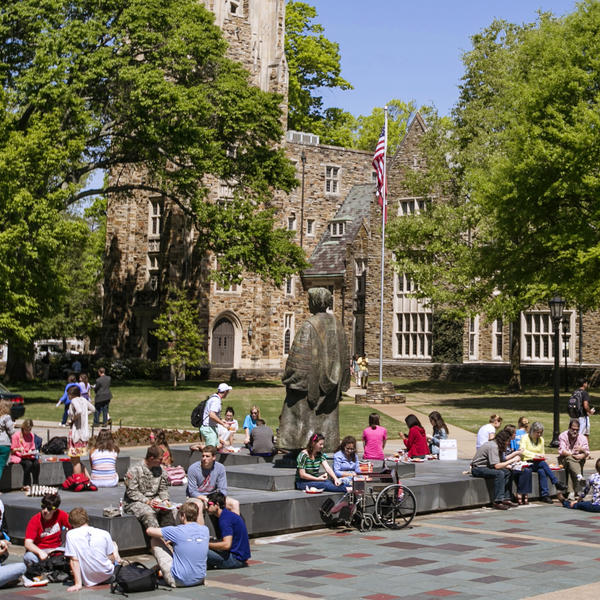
{"x": 380, "y": 393}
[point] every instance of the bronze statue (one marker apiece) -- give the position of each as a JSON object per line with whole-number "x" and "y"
{"x": 316, "y": 373}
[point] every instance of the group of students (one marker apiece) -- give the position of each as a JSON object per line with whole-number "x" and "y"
{"x": 102, "y": 396}
{"x": 346, "y": 464}
{"x": 514, "y": 453}
{"x": 359, "y": 368}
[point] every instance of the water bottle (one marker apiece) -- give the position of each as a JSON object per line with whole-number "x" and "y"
{"x": 121, "y": 506}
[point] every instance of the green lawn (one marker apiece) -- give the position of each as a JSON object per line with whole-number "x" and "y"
{"x": 466, "y": 405}
{"x": 470, "y": 405}
{"x": 155, "y": 404}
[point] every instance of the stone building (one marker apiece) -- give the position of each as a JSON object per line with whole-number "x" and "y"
{"x": 249, "y": 328}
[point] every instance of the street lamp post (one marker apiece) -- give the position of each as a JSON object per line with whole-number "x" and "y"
{"x": 566, "y": 336}
{"x": 557, "y": 305}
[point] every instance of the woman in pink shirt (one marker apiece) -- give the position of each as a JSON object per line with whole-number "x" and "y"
{"x": 23, "y": 451}
{"x": 374, "y": 438}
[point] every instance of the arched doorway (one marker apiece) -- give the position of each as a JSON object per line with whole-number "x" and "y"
{"x": 223, "y": 344}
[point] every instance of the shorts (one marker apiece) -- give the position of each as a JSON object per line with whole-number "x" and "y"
{"x": 209, "y": 433}
{"x": 77, "y": 449}
{"x": 584, "y": 425}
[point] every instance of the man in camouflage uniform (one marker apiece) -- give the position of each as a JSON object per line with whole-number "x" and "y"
{"x": 146, "y": 486}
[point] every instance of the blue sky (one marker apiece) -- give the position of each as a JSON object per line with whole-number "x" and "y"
{"x": 412, "y": 50}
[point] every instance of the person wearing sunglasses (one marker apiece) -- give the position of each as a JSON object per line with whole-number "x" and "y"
{"x": 250, "y": 423}
{"x": 44, "y": 532}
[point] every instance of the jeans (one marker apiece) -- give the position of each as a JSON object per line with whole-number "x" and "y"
{"x": 501, "y": 477}
{"x": 216, "y": 560}
{"x": 584, "y": 505}
{"x": 101, "y": 409}
{"x": 523, "y": 480}
{"x": 10, "y": 573}
{"x": 65, "y": 414}
{"x": 544, "y": 472}
{"x": 31, "y": 558}
{"x": 326, "y": 485}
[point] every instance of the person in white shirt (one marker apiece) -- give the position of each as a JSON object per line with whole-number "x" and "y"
{"x": 488, "y": 431}
{"x": 92, "y": 552}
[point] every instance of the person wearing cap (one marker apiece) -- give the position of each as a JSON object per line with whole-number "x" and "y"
{"x": 212, "y": 415}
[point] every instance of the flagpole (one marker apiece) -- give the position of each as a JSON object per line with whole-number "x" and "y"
{"x": 383, "y": 192}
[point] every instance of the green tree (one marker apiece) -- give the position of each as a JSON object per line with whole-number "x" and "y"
{"x": 521, "y": 177}
{"x": 128, "y": 85}
{"x": 368, "y": 128}
{"x": 178, "y": 327}
{"x": 314, "y": 63}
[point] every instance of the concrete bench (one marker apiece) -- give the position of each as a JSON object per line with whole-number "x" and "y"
{"x": 51, "y": 473}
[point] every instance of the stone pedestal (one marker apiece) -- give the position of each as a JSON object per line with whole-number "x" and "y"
{"x": 380, "y": 393}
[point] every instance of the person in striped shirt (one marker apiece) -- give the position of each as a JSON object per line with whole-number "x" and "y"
{"x": 103, "y": 460}
{"x": 308, "y": 465}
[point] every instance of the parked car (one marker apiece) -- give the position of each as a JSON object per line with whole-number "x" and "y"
{"x": 17, "y": 410}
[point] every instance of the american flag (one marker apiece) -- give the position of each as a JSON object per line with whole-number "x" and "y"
{"x": 378, "y": 165}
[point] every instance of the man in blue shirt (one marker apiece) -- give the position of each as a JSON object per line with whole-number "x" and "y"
{"x": 233, "y": 550}
{"x": 185, "y": 565}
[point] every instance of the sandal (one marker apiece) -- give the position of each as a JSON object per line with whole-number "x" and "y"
{"x": 525, "y": 499}
{"x": 519, "y": 499}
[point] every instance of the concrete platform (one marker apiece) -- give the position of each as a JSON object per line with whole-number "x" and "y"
{"x": 438, "y": 486}
{"x": 52, "y": 473}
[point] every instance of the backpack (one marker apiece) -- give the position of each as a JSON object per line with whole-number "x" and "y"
{"x": 575, "y": 404}
{"x": 56, "y": 445}
{"x": 78, "y": 482}
{"x": 133, "y": 577}
{"x": 197, "y": 417}
{"x": 55, "y": 568}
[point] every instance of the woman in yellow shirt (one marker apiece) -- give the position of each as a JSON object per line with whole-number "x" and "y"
{"x": 532, "y": 446}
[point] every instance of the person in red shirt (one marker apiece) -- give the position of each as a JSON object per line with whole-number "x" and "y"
{"x": 416, "y": 441}
{"x": 44, "y": 531}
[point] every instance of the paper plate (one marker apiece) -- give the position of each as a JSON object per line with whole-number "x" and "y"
{"x": 313, "y": 491}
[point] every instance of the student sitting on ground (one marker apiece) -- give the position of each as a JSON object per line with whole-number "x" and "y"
{"x": 262, "y": 440}
{"x": 92, "y": 552}
{"x": 593, "y": 484}
{"x": 9, "y": 572}
{"x": 43, "y": 534}
{"x": 182, "y": 564}
{"x": 233, "y": 550}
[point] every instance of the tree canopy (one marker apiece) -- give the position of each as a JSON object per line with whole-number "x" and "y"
{"x": 519, "y": 164}
{"x": 112, "y": 85}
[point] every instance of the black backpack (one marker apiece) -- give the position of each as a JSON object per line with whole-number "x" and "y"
{"x": 133, "y": 577}
{"x": 56, "y": 445}
{"x": 575, "y": 404}
{"x": 198, "y": 413}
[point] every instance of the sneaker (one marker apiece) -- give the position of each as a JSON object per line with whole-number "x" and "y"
{"x": 571, "y": 496}
{"x": 580, "y": 477}
{"x": 560, "y": 486}
{"x": 546, "y": 499}
{"x": 37, "y": 581}
{"x": 500, "y": 506}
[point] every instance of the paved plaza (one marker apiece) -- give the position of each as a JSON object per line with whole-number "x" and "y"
{"x": 536, "y": 551}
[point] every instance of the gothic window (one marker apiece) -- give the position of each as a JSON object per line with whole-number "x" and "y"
{"x": 411, "y": 206}
{"x": 310, "y": 227}
{"x": 288, "y": 332}
{"x": 337, "y": 228}
{"x": 332, "y": 179}
{"x": 474, "y": 337}
{"x": 291, "y": 224}
{"x": 155, "y": 216}
{"x": 235, "y": 7}
{"x": 153, "y": 262}
{"x": 412, "y": 322}
{"x": 497, "y": 340}
{"x": 289, "y": 286}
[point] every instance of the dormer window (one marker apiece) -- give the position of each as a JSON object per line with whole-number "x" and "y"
{"x": 337, "y": 228}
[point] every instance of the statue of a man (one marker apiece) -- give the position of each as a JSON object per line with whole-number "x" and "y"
{"x": 316, "y": 373}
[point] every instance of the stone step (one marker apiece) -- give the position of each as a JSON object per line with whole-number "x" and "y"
{"x": 184, "y": 457}
{"x": 52, "y": 473}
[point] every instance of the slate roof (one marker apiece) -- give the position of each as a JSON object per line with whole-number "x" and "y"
{"x": 329, "y": 255}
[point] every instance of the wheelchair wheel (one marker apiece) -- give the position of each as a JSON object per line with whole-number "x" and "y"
{"x": 395, "y": 506}
{"x": 366, "y": 522}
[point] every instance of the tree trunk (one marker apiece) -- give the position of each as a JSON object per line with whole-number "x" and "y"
{"x": 19, "y": 362}
{"x": 514, "y": 385}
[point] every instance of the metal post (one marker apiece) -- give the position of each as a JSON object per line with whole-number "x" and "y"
{"x": 303, "y": 159}
{"x": 383, "y": 218}
{"x": 556, "y": 404}
{"x": 566, "y": 351}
